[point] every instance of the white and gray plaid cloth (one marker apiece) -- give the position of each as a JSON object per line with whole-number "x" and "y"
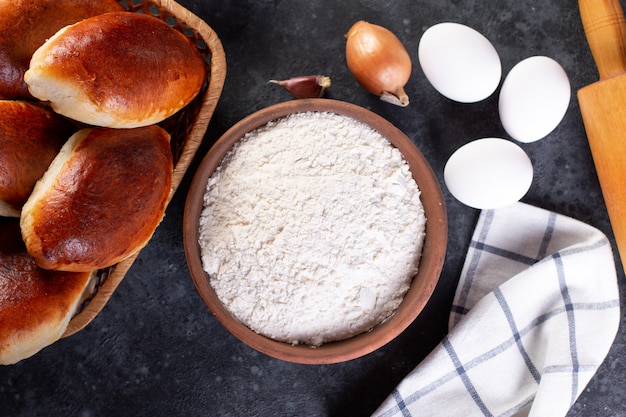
{"x": 534, "y": 315}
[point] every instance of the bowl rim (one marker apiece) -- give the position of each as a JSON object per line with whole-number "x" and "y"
{"x": 422, "y": 285}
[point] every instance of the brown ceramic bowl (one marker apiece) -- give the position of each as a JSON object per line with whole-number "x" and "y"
{"x": 423, "y": 283}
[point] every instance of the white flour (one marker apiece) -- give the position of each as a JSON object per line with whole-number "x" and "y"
{"x": 312, "y": 229}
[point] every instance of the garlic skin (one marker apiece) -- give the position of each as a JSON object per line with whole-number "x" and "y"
{"x": 306, "y": 86}
{"x": 378, "y": 61}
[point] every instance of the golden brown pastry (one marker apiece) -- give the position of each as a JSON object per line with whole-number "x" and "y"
{"x": 26, "y": 24}
{"x": 117, "y": 70}
{"x": 35, "y": 305}
{"x": 101, "y": 199}
{"x": 30, "y": 138}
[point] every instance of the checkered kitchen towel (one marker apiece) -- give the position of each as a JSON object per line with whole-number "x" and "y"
{"x": 534, "y": 315}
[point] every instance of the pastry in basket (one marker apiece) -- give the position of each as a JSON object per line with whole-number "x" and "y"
{"x": 117, "y": 70}
{"x": 101, "y": 199}
{"x": 30, "y": 138}
{"x": 35, "y": 304}
{"x": 26, "y": 24}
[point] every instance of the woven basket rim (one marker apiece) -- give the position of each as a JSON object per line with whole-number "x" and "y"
{"x": 217, "y": 74}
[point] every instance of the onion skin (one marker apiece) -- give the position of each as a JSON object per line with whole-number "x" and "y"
{"x": 378, "y": 61}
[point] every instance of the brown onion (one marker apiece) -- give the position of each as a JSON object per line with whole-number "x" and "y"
{"x": 378, "y": 61}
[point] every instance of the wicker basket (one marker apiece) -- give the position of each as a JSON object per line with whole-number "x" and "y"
{"x": 187, "y": 129}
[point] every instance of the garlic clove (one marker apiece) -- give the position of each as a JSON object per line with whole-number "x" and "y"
{"x": 306, "y": 86}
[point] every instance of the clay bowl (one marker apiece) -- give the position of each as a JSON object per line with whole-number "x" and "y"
{"x": 423, "y": 283}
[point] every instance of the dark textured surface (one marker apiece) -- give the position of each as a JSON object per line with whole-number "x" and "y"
{"x": 155, "y": 350}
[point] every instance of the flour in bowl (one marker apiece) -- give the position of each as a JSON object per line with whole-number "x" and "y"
{"x": 312, "y": 229}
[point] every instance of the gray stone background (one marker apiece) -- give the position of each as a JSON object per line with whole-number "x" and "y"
{"x": 155, "y": 350}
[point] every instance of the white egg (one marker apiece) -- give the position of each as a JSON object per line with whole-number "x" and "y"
{"x": 488, "y": 173}
{"x": 534, "y": 98}
{"x": 459, "y": 62}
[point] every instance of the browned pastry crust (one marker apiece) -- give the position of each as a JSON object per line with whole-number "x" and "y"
{"x": 26, "y": 24}
{"x": 30, "y": 138}
{"x": 101, "y": 200}
{"x": 117, "y": 70}
{"x": 35, "y": 305}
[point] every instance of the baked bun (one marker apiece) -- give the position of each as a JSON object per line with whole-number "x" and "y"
{"x": 30, "y": 138}
{"x": 101, "y": 199}
{"x": 35, "y": 305}
{"x": 26, "y": 24}
{"x": 117, "y": 70}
